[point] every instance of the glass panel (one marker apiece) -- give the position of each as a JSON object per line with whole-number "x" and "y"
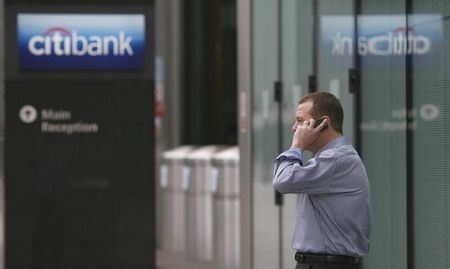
{"x": 297, "y": 66}
{"x": 265, "y": 133}
{"x": 335, "y": 54}
{"x": 430, "y": 27}
{"x": 383, "y": 129}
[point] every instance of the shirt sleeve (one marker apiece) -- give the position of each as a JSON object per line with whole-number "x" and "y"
{"x": 290, "y": 175}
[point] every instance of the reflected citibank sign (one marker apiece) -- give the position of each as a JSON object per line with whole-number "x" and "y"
{"x": 382, "y": 35}
{"x": 81, "y": 41}
{"x": 396, "y": 42}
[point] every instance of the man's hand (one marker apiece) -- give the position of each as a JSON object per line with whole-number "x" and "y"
{"x": 306, "y": 134}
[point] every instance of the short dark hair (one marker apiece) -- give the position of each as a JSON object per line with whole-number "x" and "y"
{"x": 326, "y": 104}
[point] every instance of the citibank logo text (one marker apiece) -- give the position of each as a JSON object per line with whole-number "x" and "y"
{"x": 79, "y": 41}
{"x": 396, "y": 42}
{"x": 65, "y": 43}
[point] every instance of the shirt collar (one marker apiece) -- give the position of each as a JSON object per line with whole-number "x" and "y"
{"x": 337, "y": 142}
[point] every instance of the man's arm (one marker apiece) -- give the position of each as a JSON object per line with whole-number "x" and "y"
{"x": 291, "y": 176}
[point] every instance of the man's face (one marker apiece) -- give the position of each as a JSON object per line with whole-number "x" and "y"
{"x": 302, "y": 114}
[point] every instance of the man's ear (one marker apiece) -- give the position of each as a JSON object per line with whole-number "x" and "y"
{"x": 328, "y": 122}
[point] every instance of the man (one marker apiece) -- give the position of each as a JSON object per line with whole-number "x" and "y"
{"x": 333, "y": 216}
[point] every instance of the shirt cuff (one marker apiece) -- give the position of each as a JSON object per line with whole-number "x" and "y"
{"x": 292, "y": 154}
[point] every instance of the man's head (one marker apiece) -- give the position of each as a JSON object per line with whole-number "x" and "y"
{"x": 325, "y": 104}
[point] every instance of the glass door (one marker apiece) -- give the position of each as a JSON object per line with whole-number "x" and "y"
{"x": 335, "y": 58}
{"x": 265, "y": 135}
{"x": 381, "y": 25}
{"x": 430, "y": 95}
{"x": 281, "y": 60}
{"x": 295, "y": 49}
{"x": 296, "y": 67}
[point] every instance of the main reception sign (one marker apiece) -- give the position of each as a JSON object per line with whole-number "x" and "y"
{"x": 81, "y": 41}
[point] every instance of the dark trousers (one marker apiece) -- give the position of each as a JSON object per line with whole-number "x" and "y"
{"x": 327, "y": 266}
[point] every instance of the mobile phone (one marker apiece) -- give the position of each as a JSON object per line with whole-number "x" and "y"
{"x": 318, "y": 122}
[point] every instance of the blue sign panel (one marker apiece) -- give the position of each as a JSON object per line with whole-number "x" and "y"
{"x": 81, "y": 41}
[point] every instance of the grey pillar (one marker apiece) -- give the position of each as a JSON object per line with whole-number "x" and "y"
{"x": 244, "y": 15}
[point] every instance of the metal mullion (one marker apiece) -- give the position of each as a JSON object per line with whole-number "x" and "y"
{"x": 357, "y": 65}
{"x": 409, "y": 145}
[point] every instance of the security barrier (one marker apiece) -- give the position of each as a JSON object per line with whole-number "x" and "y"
{"x": 226, "y": 203}
{"x": 173, "y": 180}
{"x": 199, "y": 206}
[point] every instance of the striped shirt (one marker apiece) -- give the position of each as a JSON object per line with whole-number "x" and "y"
{"x": 333, "y": 214}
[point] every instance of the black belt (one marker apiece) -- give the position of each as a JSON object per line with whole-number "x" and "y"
{"x": 325, "y": 258}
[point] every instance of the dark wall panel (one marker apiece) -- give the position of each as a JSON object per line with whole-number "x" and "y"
{"x": 79, "y": 158}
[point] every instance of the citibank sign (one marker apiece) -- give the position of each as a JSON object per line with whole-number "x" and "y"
{"x": 81, "y": 41}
